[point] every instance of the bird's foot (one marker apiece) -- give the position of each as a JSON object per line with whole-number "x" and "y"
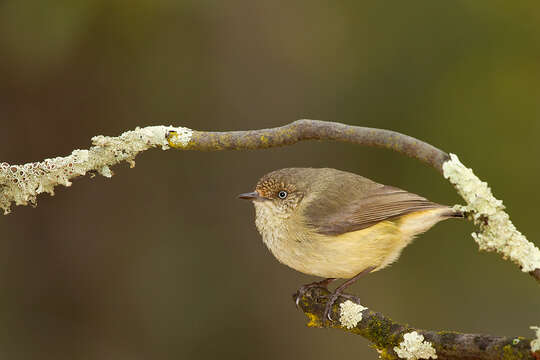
{"x": 305, "y": 288}
{"x": 339, "y": 292}
{"x": 332, "y": 298}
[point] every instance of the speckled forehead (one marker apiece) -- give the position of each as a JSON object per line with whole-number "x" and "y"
{"x": 268, "y": 186}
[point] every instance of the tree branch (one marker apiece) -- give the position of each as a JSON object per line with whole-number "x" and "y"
{"x": 388, "y": 335}
{"x": 315, "y": 130}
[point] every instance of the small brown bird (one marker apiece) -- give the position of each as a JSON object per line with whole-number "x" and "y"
{"x": 335, "y": 224}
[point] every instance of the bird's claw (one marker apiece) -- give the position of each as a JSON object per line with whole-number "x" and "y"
{"x": 328, "y": 308}
{"x": 332, "y": 298}
{"x": 304, "y": 289}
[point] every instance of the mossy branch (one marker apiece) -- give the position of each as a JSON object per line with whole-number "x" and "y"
{"x": 386, "y": 335}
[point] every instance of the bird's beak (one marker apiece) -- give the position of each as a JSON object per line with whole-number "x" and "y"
{"x": 250, "y": 196}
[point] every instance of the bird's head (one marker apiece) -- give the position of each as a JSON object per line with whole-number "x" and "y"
{"x": 280, "y": 192}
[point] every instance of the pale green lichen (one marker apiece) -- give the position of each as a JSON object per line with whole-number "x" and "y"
{"x": 413, "y": 347}
{"x": 350, "y": 314}
{"x": 106, "y": 171}
{"x": 179, "y": 138}
{"x": 20, "y": 184}
{"x": 535, "y": 344}
{"x": 497, "y": 233}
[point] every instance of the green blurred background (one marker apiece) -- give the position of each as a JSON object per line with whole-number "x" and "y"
{"x": 162, "y": 261}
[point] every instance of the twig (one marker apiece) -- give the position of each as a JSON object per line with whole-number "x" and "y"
{"x": 315, "y": 130}
{"x": 387, "y": 335}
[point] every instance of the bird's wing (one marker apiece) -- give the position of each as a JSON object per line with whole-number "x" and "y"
{"x": 379, "y": 203}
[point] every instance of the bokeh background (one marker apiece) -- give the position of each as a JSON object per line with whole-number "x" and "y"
{"x": 162, "y": 261}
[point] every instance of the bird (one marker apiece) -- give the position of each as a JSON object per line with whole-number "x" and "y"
{"x": 336, "y": 224}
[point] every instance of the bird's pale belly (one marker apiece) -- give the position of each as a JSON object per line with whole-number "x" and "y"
{"x": 341, "y": 256}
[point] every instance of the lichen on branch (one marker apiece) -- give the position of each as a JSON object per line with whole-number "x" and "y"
{"x": 414, "y": 347}
{"x": 535, "y": 344}
{"x": 497, "y": 232}
{"x": 21, "y": 184}
{"x": 350, "y": 313}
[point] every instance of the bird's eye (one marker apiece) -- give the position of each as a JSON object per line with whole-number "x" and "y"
{"x": 282, "y": 194}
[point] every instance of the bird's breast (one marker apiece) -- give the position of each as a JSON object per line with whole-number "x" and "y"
{"x": 341, "y": 256}
{"x": 272, "y": 225}
{"x": 284, "y": 235}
